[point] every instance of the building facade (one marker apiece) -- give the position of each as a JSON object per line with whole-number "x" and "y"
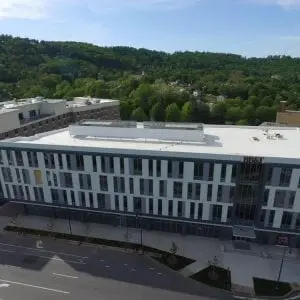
{"x": 190, "y": 179}
{"x": 28, "y": 117}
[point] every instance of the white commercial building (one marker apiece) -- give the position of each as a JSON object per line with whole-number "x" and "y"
{"x": 231, "y": 181}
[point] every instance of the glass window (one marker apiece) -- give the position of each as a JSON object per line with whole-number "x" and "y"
{"x": 179, "y": 208}
{"x": 94, "y": 162}
{"x": 192, "y": 210}
{"x": 162, "y": 189}
{"x": 150, "y": 162}
{"x": 209, "y": 192}
{"x": 190, "y": 191}
{"x": 117, "y": 206}
{"x": 103, "y": 183}
{"x": 131, "y": 186}
{"x": 223, "y": 172}
{"x": 285, "y": 176}
{"x": 150, "y": 206}
{"x": 122, "y": 166}
{"x": 170, "y": 208}
{"x": 198, "y": 170}
{"x": 137, "y": 166}
{"x": 137, "y": 204}
{"x": 159, "y": 207}
{"x": 60, "y": 161}
{"x": 125, "y": 203}
{"x": 177, "y": 189}
{"x": 158, "y": 168}
{"x": 266, "y": 197}
{"x": 200, "y": 210}
{"x": 217, "y": 212}
{"x": 19, "y": 158}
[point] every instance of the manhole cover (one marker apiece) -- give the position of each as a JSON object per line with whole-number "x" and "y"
{"x": 30, "y": 259}
{"x": 242, "y": 246}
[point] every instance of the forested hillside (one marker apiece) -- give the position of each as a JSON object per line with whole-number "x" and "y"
{"x": 152, "y": 85}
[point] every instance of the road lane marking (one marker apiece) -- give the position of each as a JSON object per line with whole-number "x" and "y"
{"x": 56, "y": 258}
{"x": 102, "y": 260}
{"x": 125, "y": 265}
{"x": 107, "y": 266}
{"x": 133, "y": 270}
{"x": 34, "y": 286}
{"x": 17, "y": 246}
{"x": 4, "y": 285}
{"x": 10, "y": 251}
{"x": 151, "y": 268}
{"x": 159, "y": 273}
{"x": 63, "y": 275}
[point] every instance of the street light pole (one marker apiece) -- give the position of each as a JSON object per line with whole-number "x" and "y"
{"x": 70, "y": 223}
{"x": 281, "y": 265}
{"x": 141, "y": 231}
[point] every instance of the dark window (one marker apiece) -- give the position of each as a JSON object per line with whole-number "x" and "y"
{"x": 162, "y": 190}
{"x": 10, "y": 157}
{"x": 150, "y": 206}
{"x": 271, "y": 218}
{"x": 125, "y": 203}
{"x": 262, "y": 216}
{"x": 131, "y": 186}
{"x": 200, "y": 209}
{"x": 286, "y": 221}
{"x": 158, "y": 168}
{"x": 266, "y": 197}
{"x": 103, "y": 183}
{"x": 229, "y": 213}
{"x": 177, "y": 189}
{"x": 223, "y": 172}
{"x": 181, "y": 169}
{"x": 285, "y": 176}
{"x": 85, "y": 181}
{"x": 137, "y": 204}
{"x": 73, "y": 198}
{"x": 32, "y": 159}
{"x": 192, "y": 210}
{"x": 142, "y": 186}
{"x": 49, "y": 161}
{"x": 179, "y": 208}
{"x": 7, "y": 174}
{"x": 209, "y": 192}
{"x": 19, "y": 158}
{"x": 211, "y": 171}
{"x": 150, "y": 162}
{"x": 1, "y": 158}
{"x": 27, "y": 192}
{"x": 79, "y": 162}
{"x": 137, "y": 166}
{"x": 190, "y": 191}
{"x": 101, "y": 201}
{"x": 122, "y": 167}
{"x": 60, "y": 161}
{"x": 198, "y": 171}
{"x": 170, "y": 208}
{"x": 217, "y": 212}
{"x": 117, "y": 206}
{"x": 159, "y": 207}
{"x": 233, "y": 173}
{"x": 94, "y": 162}
{"x": 91, "y": 199}
{"x": 269, "y": 175}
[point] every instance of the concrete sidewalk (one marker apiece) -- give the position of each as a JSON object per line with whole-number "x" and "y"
{"x": 260, "y": 261}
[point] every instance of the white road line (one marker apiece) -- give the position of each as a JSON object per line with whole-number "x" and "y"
{"x": 63, "y": 275}
{"x": 4, "y": 250}
{"x": 34, "y": 286}
{"x": 56, "y": 258}
{"x": 102, "y": 260}
{"x": 107, "y": 266}
{"x": 151, "y": 268}
{"x": 17, "y": 246}
{"x": 133, "y": 270}
{"x": 159, "y": 273}
{"x": 125, "y": 265}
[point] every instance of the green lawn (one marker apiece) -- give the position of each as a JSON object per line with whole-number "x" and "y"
{"x": 217, "y": 277}
{"x": 264, "y": 287}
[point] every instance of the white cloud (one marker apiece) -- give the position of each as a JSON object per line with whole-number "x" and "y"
{"x": 23, "y": 9}
{"x": 282, "y": 3}
{"x": 39, "y": 9}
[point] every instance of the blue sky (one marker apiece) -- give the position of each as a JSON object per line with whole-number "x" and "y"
{"x": 246, "y": 27}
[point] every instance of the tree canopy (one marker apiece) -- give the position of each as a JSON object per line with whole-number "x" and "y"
{"x": 151, "y": 85}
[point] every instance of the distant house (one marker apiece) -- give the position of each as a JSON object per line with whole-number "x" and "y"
{"x": 220, "y": 98}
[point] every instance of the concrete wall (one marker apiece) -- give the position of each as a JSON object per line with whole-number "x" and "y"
{"x": 9, "y": 120}
{"x": 288, "y": 118}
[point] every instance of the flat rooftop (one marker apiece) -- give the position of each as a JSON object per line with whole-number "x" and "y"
{"x": 281, "y": 142}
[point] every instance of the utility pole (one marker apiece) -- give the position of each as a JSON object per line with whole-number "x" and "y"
{"x": 70, "y": 222}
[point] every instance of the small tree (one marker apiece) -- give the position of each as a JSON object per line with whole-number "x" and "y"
{"x": 50, "y": 226}
{"x": 16, "y": 220}
{"x": 212, "y": 264}
{"x": 172, "y": 259}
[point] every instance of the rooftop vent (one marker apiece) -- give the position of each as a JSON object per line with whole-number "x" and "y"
{"x": 255, "y": 138}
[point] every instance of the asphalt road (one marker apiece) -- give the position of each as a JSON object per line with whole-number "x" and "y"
{"x": 55, "y": 269}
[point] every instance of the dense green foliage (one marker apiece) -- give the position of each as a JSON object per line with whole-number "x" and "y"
{"x": 152, "y": 85}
